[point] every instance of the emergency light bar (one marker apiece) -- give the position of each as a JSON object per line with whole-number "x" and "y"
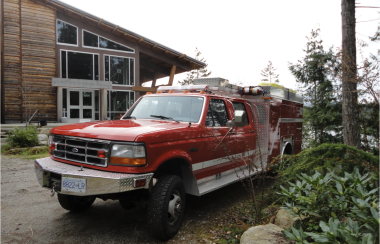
{"x": 189, "y": 88}
{"x": 230, "y": 90}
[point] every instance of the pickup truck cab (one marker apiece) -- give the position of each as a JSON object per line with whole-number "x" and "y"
{"x": 169, "y": 144}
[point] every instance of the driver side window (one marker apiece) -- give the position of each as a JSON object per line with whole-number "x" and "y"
{"x": 217, "y": 113}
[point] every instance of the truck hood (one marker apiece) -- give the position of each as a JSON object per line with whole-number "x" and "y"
{"x": 118, "y": 130}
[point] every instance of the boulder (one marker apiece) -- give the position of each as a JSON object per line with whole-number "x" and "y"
{"x": 287, "y": 219}
{"x": 264, "y": 234}
{"x": 42, "y": 137}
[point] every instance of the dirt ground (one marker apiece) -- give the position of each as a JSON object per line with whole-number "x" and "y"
{"x": 29, "y": 213}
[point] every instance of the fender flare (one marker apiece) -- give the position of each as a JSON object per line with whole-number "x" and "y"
{"x": 188, "y": 177}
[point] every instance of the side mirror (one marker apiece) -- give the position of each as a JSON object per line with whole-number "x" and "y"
{"x": 240, "y": 118}
{"x": 230, "y": 123}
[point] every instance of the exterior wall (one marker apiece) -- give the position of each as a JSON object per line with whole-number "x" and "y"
{"x": 12, "y": 99}
{"x": 29, "y": 60}
{"x": 38, "y": 58}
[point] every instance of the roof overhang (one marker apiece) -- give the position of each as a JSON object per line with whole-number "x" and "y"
{"x": 151, "y": 48}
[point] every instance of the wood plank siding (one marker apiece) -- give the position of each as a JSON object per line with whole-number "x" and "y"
{"x": 29, "y": 60}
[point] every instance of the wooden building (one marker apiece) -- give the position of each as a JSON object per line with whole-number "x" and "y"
{"x": 66, "y": 62}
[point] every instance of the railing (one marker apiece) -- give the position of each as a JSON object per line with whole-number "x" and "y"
{"x": 27, "y": 123}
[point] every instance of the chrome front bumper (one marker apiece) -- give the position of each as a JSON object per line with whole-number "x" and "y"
{"x": 50, "y": 172}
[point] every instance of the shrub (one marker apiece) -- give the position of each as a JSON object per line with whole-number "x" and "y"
{"x": 337, "y": 157}
{"x": 335, "y": 209}
{"x": 23, "y": 137}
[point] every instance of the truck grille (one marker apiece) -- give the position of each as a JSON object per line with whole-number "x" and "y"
{"x": 81, "y": 150}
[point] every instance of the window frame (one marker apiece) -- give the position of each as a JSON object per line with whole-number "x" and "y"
{"x": 109, "y": 112}
{"x": 113, "y": 50}
{"x": 56, "y": 34}
{"x": 246, "y": 111}
{"x": 67, "y": 61}
{"x": 129, "y": 67}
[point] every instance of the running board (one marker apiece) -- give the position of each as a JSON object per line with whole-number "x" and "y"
{"x": 215, "y": 182}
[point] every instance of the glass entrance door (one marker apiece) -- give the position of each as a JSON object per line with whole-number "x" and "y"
{"x": 80, "y": 105}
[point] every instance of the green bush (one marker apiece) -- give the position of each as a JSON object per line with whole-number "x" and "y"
{"x": 335, "y": 209}
{"x": 23, "y": 137}
{"x": 337, "y": 157}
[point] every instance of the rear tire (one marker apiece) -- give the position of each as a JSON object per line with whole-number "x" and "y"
{"x": 75, "y": 203}
{"x": 166, "y": 207}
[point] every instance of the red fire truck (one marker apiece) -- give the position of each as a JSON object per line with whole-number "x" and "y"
{"x": 181, "y": 140}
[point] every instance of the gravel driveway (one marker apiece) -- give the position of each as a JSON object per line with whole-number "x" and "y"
{"x": 27, "y": 208}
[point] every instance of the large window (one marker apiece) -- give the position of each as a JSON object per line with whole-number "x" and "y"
{"x": 95, "y": 41}
{"x": 67, "y": 34}
{"x": 119, "y": 70}
{"x": 119, "y": 102}
{"x": 78, "y": 65}
{"x": 217, "y": 113}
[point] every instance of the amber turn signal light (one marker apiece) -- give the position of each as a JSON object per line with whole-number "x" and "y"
{"x": 128, "y": 161}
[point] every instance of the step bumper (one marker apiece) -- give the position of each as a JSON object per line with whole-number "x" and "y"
{"x": 50, "y": 174}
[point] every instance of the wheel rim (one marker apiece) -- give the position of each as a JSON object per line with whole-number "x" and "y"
{"x": 175, "y": 207}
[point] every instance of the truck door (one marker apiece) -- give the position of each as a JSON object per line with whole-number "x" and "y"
{"x": 218, "y": 156}
{"x": 245, "y": 136}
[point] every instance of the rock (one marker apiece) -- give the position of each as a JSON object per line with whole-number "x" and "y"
{"x": 44, "y": 130}
{"x": 44, "y": 143}
{"x": 264, "y": 234}
{"x": 42, "y": 137}
{"x": 287, "y": 219}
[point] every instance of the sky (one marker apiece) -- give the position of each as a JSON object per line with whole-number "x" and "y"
{"x": 237, "y": 38}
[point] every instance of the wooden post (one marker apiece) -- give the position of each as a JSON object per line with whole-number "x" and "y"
{"x": 59, "y": 103}
{"x": 154, "y": 79}
{"x": 103, "y": 104}
{"x": 172, "y": 73}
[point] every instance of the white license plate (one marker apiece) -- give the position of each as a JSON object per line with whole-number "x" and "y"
{"x": 73, "y": 185}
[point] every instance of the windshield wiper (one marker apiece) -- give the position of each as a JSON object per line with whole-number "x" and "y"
{"x": 163, "y": 117}
{"x": 129, "y": 117}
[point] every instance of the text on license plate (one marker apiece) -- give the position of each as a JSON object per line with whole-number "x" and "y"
{"x": 73, "y": 185}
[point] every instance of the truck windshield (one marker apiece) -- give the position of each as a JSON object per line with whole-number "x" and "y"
{"x": 186, "y": 109}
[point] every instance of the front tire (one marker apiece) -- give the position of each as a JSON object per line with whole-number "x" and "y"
{"x": 75, "y": 203}
{"x": 166, "y": 207}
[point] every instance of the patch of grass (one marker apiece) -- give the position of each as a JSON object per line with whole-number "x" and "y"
{"x": 232, "y": 234}
{"x": 24, "y": 152}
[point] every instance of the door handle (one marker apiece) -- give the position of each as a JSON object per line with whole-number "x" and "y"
{"x": 251, "y": 131}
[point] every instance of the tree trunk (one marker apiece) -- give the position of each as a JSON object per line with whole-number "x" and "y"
{"x": 351, "y": 129}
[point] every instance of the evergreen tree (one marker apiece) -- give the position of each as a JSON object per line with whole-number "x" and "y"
{"x": 269, "y": 73}
{"x": 315, "y": 74}
{"x": 197, "y": 73}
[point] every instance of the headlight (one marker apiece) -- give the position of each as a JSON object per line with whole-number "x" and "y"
{"x": 51, "y": 144}
{"x": 133, "y": 155}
